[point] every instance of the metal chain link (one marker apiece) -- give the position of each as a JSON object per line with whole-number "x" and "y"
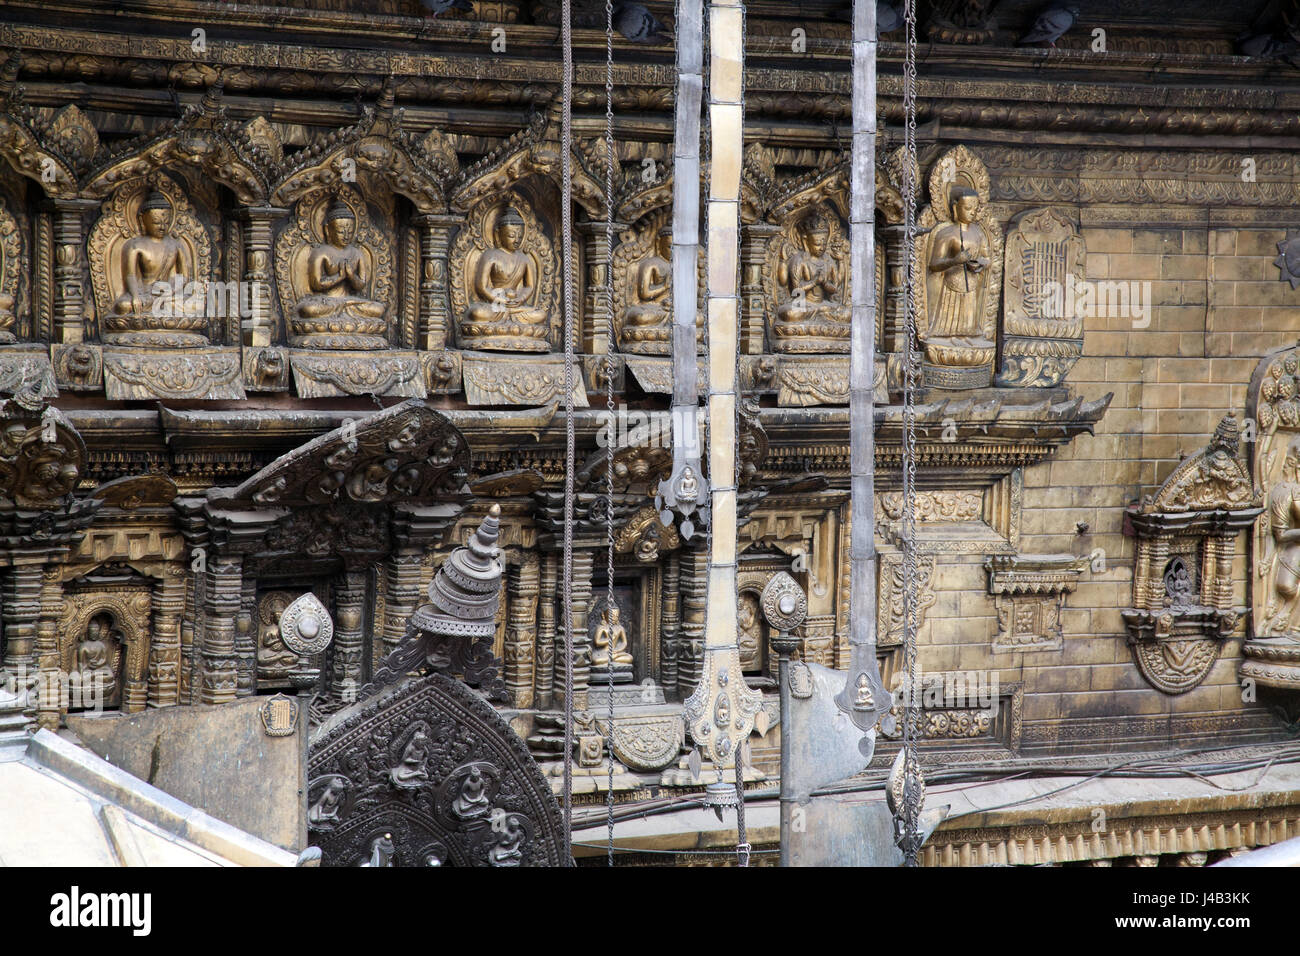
{"x": 912, "y": 785}
{"x": 566, "y": 229}
{"x": 608, "y": 300}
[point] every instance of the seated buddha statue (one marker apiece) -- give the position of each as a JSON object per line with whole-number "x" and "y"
{"x": 651, "y": 288}
{"x": 811, "y": 278}
{"x": 336, "y": 312}
{"x": 155, "y": 270}
{"x": 504, "y": 284}
{"x": 610, "y": 643}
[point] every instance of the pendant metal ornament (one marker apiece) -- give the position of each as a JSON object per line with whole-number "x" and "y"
{"x": 305, "y": 626}
{"x": 279, "y": 716}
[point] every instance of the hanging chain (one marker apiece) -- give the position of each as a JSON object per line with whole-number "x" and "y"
{"x": 566, "y": 228}
{"x": 608, "y": 301}
{"x": 912, "y": 785}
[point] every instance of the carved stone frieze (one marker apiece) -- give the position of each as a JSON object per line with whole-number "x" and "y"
{"x": 536, "y": 381}
{"x": 889, "y": 613}
{"x": 330, "y": 374}
{"x": 1042, "y": 328}
{"x": 803, "y": 381}
{"x": 656, "y": 375}
{"x": 645, "y": 742}
{"x": 207, "y": 374}
{"x": 26, "y": 368}
{"x": 932, "y": 506}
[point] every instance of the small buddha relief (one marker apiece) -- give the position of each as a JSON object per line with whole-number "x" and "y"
{"x": 611, "y": 648}
{"x": 334, "y": 270}
{"x": 807, "y": 278}
{"x": 503, "y": 279}
{"x": 959, "y": 284}
{"x": 150, "y": 264}
{"x": 97, "y": 662}
{"x": 643, "y": 280}
{"x": 274, "y": 659}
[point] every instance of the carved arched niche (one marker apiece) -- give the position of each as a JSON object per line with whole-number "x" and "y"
{"x": 334, "y": 271}
{"x": 103, "y": 643}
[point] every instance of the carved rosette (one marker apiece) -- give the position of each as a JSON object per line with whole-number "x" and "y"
{"x": 1182, "y": 569}
{"x": 1044, "y": 274}
{"x": 494, "y": 326}
{"x": 964, "y": 360}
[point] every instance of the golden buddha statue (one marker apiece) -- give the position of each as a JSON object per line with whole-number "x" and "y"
{"x": 651, "y": 305}
{"x": 505, "y": 280}
{"x": 812, "y": 315}
{"x": 956, "y": 277}
{"x": 610, "y": 642}
{"x": 155, "y": 269}
{"x": 337, "y": 311}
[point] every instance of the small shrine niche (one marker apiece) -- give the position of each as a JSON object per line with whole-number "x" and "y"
{"x": 1182, "y": 569}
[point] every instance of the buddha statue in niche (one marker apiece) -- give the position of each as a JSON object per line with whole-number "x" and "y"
{"x": 651, "y": 299}
{"x": 610, "y": 642}
{"x": 959, "y": 256}
{"x": 337, "y": 311}
{"x": 155, "y": 268}
{"x": 505, "y": 279}
{"x": 811, "y": 315}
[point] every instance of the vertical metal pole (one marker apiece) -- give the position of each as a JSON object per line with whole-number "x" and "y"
{"x": 864, "y": 697}
{"x": 787, "y": 786}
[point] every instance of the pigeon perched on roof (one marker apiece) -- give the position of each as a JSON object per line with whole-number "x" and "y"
{"x": 1051, "y": 25}
{"x": 639, "y": 25}
{"x": 436, "y": 7}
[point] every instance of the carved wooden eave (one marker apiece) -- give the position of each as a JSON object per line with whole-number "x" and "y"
{"x": 406, "y": 453}
{"x": 535, "y": 150}
{"x": 639, "y": 197}
{"x": 829, "y": 185}
{"x": 32, "y": 148}
{"x": 418, "y": 168}
{"x": 203, "y": 140}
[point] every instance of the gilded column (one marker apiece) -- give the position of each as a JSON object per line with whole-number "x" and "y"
{"x": 578, "y": 642}
{"x": 753, "y": 253}
{"x": 347, "y": 674}
{"x": 598, "y": 300}
{"x": 1158, "y": 556}
{"x": 21, "y": 611}
{"x": 544, "y": 672}
{"x": 435, "y": 310}
{"x": 890, "y": 326}
{"x": 222, "y": 598}
{"x": 69, "y": 269}
{"x": 521, "y": 630}
{"x": 257, "y": 310}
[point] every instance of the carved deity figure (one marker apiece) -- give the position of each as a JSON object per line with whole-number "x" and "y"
{"x": 326, "y": 808}
{"x": 610, "y": 642}
{"x": 651, "y": 299}
{"x": 507, "y": 852}
{"x": 382, "y": 850}
{"x": 505, "y": 277}
{"x": 472, "y": 801}
{"x": 272, "y": 654}
{"x": 338, "y": 282}
{"x": 155, "y": 268}
{"x": 95, "y": 657}
{"x": 1284, "y": 554}
{"x": 959, "y": 254}
{"x": 7, "y": 318}
{"x": 811, "y": 276}
{"x": 411, "y": 770}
